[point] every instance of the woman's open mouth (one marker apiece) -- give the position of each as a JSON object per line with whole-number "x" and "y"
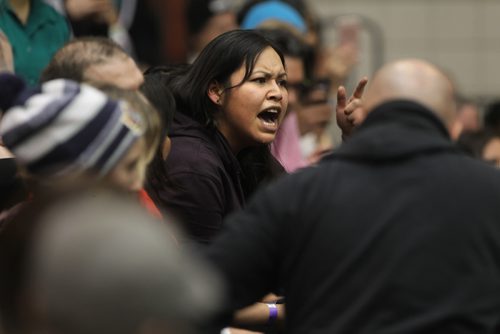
{"x": 269, "y": 118}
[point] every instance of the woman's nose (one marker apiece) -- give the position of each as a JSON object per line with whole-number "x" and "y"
{"x": 276, "y": 91}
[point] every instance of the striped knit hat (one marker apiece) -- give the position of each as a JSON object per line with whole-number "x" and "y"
{"x": 64, "y": 127}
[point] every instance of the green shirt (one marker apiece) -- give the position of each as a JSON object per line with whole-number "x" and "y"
{"x": 35, "y": 42}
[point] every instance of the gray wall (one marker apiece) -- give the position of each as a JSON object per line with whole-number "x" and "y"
{"x": 461, "y": 36}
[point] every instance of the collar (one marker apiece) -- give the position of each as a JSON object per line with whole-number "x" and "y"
{"x": 396, "y": 130}
{"x": 40, "y": 13}
{"x": 185, "y": 126}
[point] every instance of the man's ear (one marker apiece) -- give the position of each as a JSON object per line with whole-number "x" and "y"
{"x": 215, "y": 92}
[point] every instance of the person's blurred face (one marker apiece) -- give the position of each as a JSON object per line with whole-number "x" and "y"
{"x": 491, "y": 152}
{"x": 120, "y": 71}
{"x": 129, "y": 172}
{"x": 296, "y": 73}
{"x": 215, "y": 26}
{"x": 469, "y": 117}
{"x": 315, "y": 112}
{"x": 252, "y": 112}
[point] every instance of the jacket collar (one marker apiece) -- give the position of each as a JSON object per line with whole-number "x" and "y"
{"x": 396, "y": 130}
{"x": 185, "y": 126}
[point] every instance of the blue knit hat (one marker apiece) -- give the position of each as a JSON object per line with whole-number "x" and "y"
{"x": 276, "y": 11}
{"x": 65, "y": 127}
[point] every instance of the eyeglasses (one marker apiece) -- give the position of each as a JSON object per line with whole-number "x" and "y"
{"x": 307, "y": 87}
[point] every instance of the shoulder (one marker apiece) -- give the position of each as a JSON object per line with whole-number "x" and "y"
{"x": 468, "y": 170}
{"x": 49, "y": 13}
{"x": 41, "y": 7}
{"x": 192, "y": 154}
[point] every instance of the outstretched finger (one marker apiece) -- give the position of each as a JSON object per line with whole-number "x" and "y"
{"x": 352, "y": 105}
{"x": 358, "y": 92}
{"x": 341, "y": 97}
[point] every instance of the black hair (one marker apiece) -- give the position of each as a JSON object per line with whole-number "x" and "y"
{"x": 292, "y": 46}
{"x": 157, "y": 91}
{"x": 473, "y": 143}
{"x": 492, "y": 117}
{"x": 216, "y": 63}
{"x": 198, "y": 12}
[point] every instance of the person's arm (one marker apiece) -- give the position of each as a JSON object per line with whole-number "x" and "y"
{"x": 81, "y": 9}
{"x": 349, "y": 112}
{"x": 249, "y": 252}
{"x": 260, "y": 314}
{"x": 6, "y": 57}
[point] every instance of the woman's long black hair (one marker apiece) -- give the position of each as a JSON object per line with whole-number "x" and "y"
{"x": 216, "y": 63}
{"x": 156, "y": 89}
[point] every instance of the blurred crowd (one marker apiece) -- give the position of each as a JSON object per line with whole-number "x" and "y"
{"x": 169, "y": 167}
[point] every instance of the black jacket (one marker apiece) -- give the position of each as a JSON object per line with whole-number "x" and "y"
{"x": 203, "y": 182}
{"x": 397, "y": 232}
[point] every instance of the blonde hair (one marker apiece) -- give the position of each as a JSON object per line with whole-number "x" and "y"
{"x": 140, "y": 104}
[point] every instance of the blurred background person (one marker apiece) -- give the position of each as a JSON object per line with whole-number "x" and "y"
{"x": 492, "y": 117}
{"x": 13, "y": 190}
{"x": 141, "y": 28}
{"x": 35, "y": 31}
{"x": 94, "y": 59}
{"x": 467, "y": 118}
{"x": 67, "y": 129}
{"x": 87, "y": 259}
{"x": 207, "y": 19}
{"x": 100, "y": 61}
{"x": 6, "y": 56}
{"x": 483, "y": 144}
{"x": 105, "y": 18}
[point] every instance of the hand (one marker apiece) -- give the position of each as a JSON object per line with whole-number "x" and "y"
{"x": 350, "y": 113}
{"x": 338, "y": 62}
{"x": 6, "y": 57}
{"x": 102, "y": 10}
{"x": 233, "y": 330}
{"x": 317, "y": 155}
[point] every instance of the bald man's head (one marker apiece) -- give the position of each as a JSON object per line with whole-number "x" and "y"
{"x": 416, "y": 80}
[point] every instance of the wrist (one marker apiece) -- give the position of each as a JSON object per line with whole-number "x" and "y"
{"x": 273, "y": 312}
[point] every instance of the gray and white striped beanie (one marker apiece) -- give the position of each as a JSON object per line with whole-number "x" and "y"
{"x": 65, "y": 127}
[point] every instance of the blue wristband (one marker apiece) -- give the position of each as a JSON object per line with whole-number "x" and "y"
{"x": 273, "y": 312}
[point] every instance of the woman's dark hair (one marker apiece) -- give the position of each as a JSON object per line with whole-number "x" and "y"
{"x": 292, "y": 46}
{"x": 216, "y": 63}
{"x": 157, "y": 91}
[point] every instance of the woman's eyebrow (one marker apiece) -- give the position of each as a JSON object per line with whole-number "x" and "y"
{"x": 269, "y": 74}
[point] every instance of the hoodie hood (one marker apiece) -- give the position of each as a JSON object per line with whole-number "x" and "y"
{"x": 396, "y": 130}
